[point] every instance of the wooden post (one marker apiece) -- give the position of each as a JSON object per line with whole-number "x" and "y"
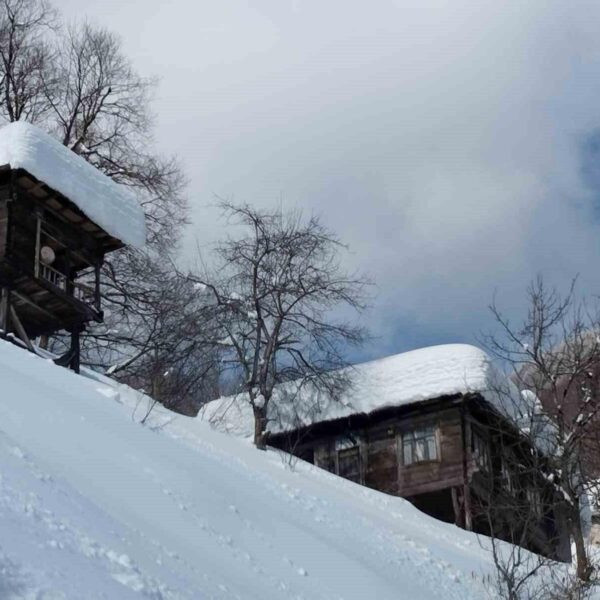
{"x": 69, "y": 274}
{"x": 14, "y": 317}
{"x": 38, "y": 242}
{"x": 467, "y": 507}
{"x": 363, "y": 456}
{"x": 97, "y": 300}
{"x": 458, "y": 513}
{"x": 74, "y": 364}
{"x": 466, "y": 445}
{"x": 4, "y": 308}
{"x": 9, "y": 211}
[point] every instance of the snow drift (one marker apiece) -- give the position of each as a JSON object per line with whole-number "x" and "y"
{"x": 95, "y": 505}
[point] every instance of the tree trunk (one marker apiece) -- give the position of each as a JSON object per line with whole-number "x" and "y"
{"x": 260, "y": 426}
{"x": 583, "y": 563}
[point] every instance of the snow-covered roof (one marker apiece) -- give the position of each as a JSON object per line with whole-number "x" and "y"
{"x": 110, "y": 205}
{"x": 393, "y": 381}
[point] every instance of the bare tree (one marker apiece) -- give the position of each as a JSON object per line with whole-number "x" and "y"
{"x": 521, "y": 507}
{"x": 26, "y": 70}
{"x": 77, "y": 83}
{"x": 100, "y": 109}
{"x": 274, "y": 289}
{"x": 554, "y": 357}
{"x": 156, "y": 337}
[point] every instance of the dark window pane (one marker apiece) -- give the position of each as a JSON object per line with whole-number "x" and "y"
{"x": 419, "y": 445}
{"x": 327, "y": 462}
{"x": 408, "y": 453}
{"x": 481, "y": 452}
{"x": 349, "y": 464}
{"x": 431, "y": 448}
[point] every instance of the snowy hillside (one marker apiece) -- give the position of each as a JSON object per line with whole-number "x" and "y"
{"x": 95, "y": 505}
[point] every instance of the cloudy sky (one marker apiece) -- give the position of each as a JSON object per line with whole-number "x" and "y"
{"x": 454, "y": 145}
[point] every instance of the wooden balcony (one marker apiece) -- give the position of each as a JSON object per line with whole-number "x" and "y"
{"x": 80, "y": 292}
{"x": 48, "y": 301}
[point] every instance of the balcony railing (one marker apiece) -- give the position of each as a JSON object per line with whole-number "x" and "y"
{"x": 53, "y": 276}
{"x": 79, "y": 291}
{"x": 84, "y": 293}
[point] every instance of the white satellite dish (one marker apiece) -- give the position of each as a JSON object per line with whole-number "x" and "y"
{"x": 47, "y": 255}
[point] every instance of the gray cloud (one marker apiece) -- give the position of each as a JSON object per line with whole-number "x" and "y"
{"x": 447, "y": 142}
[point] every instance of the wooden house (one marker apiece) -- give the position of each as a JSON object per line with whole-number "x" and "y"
{"x": 426, "y": 425}
{"x": 59, "y": 217}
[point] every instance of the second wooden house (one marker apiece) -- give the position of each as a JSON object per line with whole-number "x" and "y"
{"x": 426, "y": 425}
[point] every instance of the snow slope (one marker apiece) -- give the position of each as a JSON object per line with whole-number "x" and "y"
{"x": 108, "y": 204}
{"x": 95, "y": 505}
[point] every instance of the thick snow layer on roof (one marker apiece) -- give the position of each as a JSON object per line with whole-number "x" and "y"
{"x": 108, "y": 204}
{"x": 397, "y": 380}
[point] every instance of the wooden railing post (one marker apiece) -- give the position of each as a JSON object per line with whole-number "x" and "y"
{"x": 38, "y": 241}
{"x": 97, "y": 299}
{"x": 70, "y": 275}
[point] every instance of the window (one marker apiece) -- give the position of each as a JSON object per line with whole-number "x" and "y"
{"x": 419, "y": 445}
{"x": 325, "y": 458}
{"x": 481, "y": 452}
{"x": 346, "y": 453}
{"x": 506, "y": 476}
{"x": 349, "y": 464}
{"x": 535, "y": 502}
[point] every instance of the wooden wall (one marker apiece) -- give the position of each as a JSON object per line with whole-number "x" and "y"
{"x": 447, "y": 470}
{"x": 3, "y": 226}
{"x": 382, "y": 460}
{"x": 368, "y": 449}
{"x": 44, "y": 306}
{"x": 380, "y": 454}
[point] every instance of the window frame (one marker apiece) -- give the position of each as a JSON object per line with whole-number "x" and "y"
{"x": 413, "y": 439}
{"x": 534, "y": 497}
{"x": 348, "y": 444}
{"x": 507, "y": 475}
{"x": 354, "y": 453}
{"x": 479, "y": 442}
